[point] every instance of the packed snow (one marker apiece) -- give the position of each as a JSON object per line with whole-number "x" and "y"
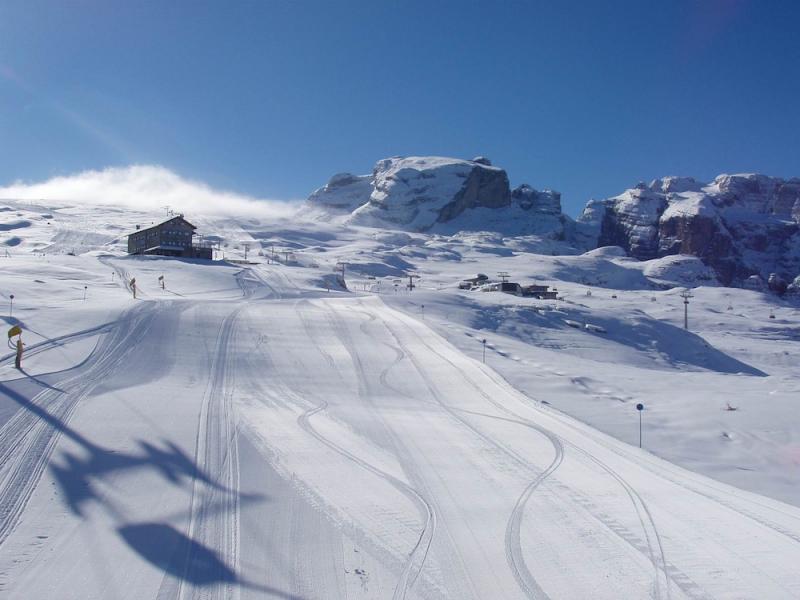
{"x": 270, "y": 428}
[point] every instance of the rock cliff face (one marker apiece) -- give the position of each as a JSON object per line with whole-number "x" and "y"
{"x": 433, "y": 193}
{"x": 545, "y": 202}
{"x": 419, "y": 191}
{"x": 740, "y": 225}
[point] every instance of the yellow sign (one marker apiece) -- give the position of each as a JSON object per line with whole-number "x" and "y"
{"x": 15, "y": 330}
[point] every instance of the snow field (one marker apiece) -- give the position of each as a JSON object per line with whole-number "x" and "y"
{"x": 245, "y": 433}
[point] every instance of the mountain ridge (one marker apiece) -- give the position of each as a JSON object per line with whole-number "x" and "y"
{"x": 746, "y": 227}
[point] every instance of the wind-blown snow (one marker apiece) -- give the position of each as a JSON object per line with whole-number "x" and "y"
{"x": 145, "y": 187}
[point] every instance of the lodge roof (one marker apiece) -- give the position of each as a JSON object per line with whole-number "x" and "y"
{"x": 159, "y": 225}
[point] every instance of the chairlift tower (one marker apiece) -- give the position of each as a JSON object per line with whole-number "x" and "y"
{"x": 503, "y": 275}
{"x": 411, "y": 278}
{"x": 341, "y": 265}
{"x": 686, "y": 294}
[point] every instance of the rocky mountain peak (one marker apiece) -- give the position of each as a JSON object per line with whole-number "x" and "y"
{"x": 740, "y": 225}
{"x": 671, "y": 184}
{"x": 427, "y": 193}
{"x": 528, "y": 198}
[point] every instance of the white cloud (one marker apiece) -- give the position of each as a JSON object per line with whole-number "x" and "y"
{"x": 146, "y": 187}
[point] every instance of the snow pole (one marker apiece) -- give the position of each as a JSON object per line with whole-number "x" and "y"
{"x": 84, "y": 291}
{"x": 640, "y": 408}
{"x": 483, "y": 341}
{"x": 133, "y": 287}
{"x": 11, "y": 306}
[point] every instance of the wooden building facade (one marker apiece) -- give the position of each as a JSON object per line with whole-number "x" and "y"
{"x": 173, "y": 237}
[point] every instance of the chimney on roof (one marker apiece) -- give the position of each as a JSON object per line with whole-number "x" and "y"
{"x": 138, "y": 227}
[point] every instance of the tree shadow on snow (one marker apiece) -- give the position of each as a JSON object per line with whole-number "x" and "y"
{"x": 75, "y": 474}
{"x": 160, "y": 544}
{"x": 181, "y": 557}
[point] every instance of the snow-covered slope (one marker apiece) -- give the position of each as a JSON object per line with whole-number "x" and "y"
{"x": 262, "y": 430}
{"x": 343, "y": 194}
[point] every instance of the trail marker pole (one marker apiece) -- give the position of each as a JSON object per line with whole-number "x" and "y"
{"x": 18, "y": 358}
{"x": 112, "y": 275}
{"x": 84, "y": 292}
{"x": 11, "y": 306}
{"x": 484, "y": 350}
{"x": 133, "y": 287}
{"x": 640, "y": 408}
{"x": 422, "y": 307}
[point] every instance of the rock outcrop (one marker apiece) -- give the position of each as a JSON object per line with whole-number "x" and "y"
{"x": 545, "y": 202}
{"x": 740, "y": 225}
{"x": 416, "y": 192}
{"x": 442, "y": 195}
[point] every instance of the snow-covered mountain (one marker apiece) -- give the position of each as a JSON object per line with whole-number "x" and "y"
{"x": 343, "y": 194}
{"x": 743, "y": 226}
{"x": 441, "y": 195}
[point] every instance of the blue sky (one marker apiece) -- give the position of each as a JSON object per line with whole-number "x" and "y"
{"x": 271, "y": 98}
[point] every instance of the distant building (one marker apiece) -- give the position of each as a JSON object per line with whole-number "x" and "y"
{"x": 543, "y": 292}
{"x": 471, "y": 282}
{"x": 173, "y": 237}
{"x": 507, "y": 287}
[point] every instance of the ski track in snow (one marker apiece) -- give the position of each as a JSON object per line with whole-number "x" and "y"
{"x": 419, "y": 552}
{"x": 27, "y": 440}
{"x": 216, "y": 454}
{"x": 663, "y": 470}
{"x": 524, "y": 578}
{"x": 404, "y": 364}
{"x": 214, "y": 510}
{"x": 513, "y": 544}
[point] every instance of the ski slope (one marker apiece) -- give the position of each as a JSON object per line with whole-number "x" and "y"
{"x": 245, "y": 434}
